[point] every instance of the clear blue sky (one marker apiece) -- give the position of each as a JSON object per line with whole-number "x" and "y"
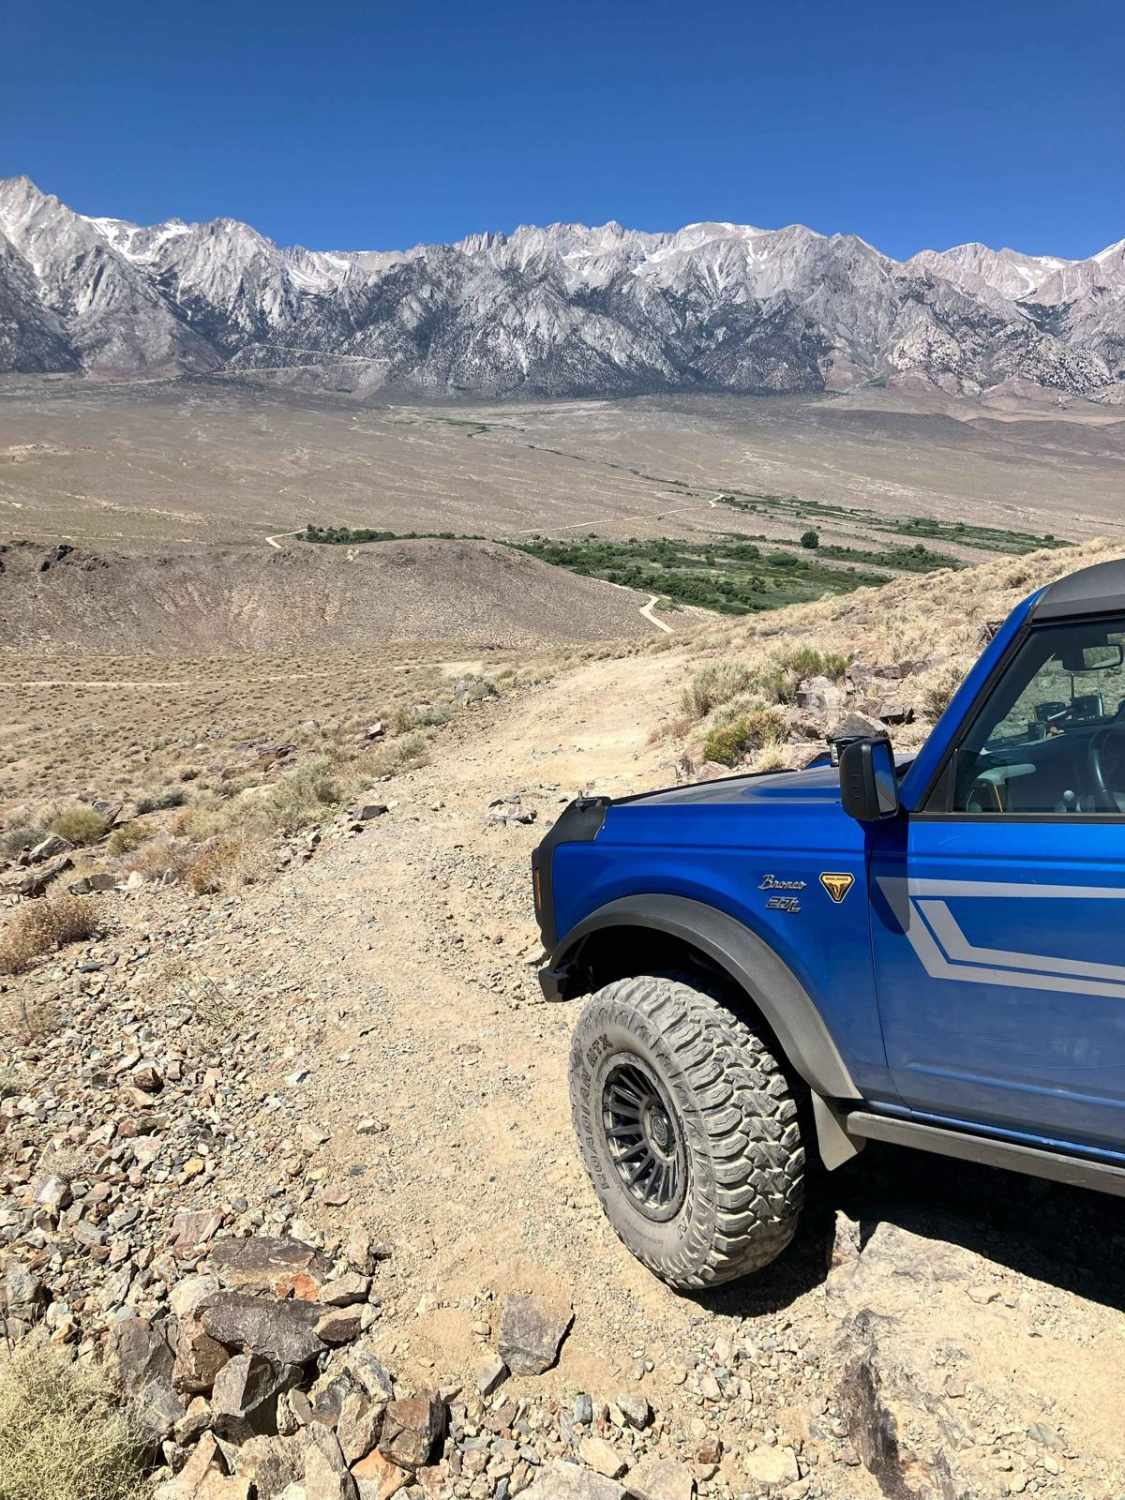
{"x": 368, "y": 124}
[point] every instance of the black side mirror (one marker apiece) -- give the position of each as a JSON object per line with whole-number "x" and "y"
{"x": 868, "y": 784}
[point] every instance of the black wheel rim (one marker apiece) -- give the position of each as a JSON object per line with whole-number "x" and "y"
{"x": 645, "y": 1139}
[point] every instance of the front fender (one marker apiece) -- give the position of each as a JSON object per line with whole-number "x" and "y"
{"x": 750, "y": 962}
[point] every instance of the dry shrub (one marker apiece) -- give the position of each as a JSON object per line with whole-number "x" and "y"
{"x": 224, "y": 865}
{"x": 127, "y": 837}
{"x": 20, "y": 835}
{"x": 300, "y": 799}
{"x": 79, "y": 824}
{"x": 64, "y": 1433}
{"x": 406, "y": 754}
{"x": 716, "y": 684}
{"x": 728, "y": 744}
{"x": 161, "y": 859}
{"x": 44, "y": 926}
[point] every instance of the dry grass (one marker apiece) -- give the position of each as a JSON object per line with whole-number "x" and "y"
{"x": 40, "y": 927}
{"x": 64, "y": 1434}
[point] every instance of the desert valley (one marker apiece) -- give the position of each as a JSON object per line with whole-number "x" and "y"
{"x": 296, "y": 670}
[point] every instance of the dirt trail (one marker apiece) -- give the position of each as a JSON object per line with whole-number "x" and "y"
{"x": 407, "y": 959}
{"x": 415, "y": 941}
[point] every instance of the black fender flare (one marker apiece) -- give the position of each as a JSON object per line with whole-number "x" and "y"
{"x": 750, "y": 963}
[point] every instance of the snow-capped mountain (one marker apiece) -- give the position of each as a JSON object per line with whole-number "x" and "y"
{"x": 560, "y": 310}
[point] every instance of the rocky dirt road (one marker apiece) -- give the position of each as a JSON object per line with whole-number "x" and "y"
{"x": 382, "y": 1061}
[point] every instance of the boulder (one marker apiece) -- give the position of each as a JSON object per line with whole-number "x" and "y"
{"x": 359, "y": 1425}
{"x": 145, "y": 1361}
{"x": 279, "y": 1267}
{"x": 326, "y": 1475}
{"x": 244, "y": 1398}
{"x": 532, "y": 1329}
{"x": 271, "y": 1464}
{"x": 410, "y": 1429}
{"x": 281, "y": 1331}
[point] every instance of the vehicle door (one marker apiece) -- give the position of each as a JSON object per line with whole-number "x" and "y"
{"x": 998, "y": 908}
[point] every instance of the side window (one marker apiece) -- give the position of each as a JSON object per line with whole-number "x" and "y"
{"x": 1051, "y": 737}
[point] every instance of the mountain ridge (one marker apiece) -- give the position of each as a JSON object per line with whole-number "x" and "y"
{"x": 556, "y": 310}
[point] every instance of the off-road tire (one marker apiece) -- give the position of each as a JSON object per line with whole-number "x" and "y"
{"x": 731, "y": 1101}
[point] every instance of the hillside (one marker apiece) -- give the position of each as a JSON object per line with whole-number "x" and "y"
{"x": 300, "y": 598}
{"x": 338, "y": 1040}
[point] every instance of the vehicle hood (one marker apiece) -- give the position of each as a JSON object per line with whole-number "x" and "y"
{"x": 819, "y": 785}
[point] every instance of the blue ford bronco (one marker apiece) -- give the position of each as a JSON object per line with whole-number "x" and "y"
{"x": 930, "y": 953}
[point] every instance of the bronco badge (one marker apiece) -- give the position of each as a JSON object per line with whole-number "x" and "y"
{"x": 837, "y": 886}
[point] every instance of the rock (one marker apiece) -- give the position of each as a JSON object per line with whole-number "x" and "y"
{"x": 563, "y": 1481}
{"x": 359, "y": 1425}
{"x": 375, "y": 731}
{"x": 376, "y": 1478}
{"x": 46, "y": 848}
{"x": 532, "y": 1329}
{"x": 712, "y": 770}
{"x": 820, "y": 695}
{"x": 199, "y": 1359}
{"x": 35, "y": 882}
{"x": 281, "y": 1331}
{"x": 359, "y": 1252}
{"x": 508, "y": 810}
{"x": 145, "y": 1359}
{"x": 146, "y": 1077}
{"x": 279, "y": 1267}
{"x": 602, "y": 1457}
{"x": 191, "y": 1230}
{"x": 271, "y": 1464}
{"x": 204, "y": 1477}
{"x": 846, "y": 1243}
{"x": 186, "y": 1296}
{"x": 24, "y": 1293}
{"x": 634, "y": 1408}
{"x": 194, "y": 1423}
{"x": 326, "y": 1474}
{"x": 363, "y": 812}
{"x": 96, "y": 881}
{"x": 772, "y": 1467}
{"x": 345, "y": 1290}
{"x": 372, "y": 1374}
{"x": 410, "y": 1429}
{"x": 583, "y": 1409}
{"x": 491, "y": 1375}
{"x": 657, "y": 1478}
{"x": 340, "y": 1325}
{"x": 244, "y": 1399}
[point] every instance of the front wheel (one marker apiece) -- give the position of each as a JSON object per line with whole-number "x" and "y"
{"x": 688, "y": 1130}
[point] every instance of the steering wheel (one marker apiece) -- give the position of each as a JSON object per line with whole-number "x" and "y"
{"x": 1104, "y": 766}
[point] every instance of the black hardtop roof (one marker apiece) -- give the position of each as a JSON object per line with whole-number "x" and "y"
{"x": 1091, "y": 591}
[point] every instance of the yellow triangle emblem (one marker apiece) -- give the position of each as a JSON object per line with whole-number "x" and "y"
{"x": 837, "y": 886}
